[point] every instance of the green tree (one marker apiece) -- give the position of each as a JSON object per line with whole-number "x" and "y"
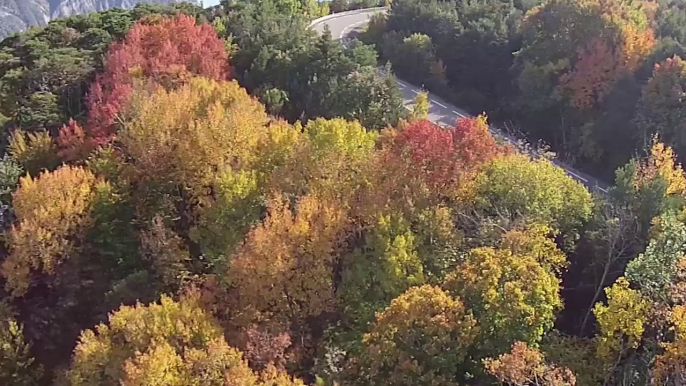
{"x": 515, "y": 186}
{"x": 384, "y": 265}
{"x": 654, "y": 270}
{"x": 513, "y": 291}
{"x": 17, "y": 365}
{"x": 10, "y": 172}
{"x": 369, "y": 97}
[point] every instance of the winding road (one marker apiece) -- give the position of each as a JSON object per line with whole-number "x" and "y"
{"x": 346, "y": 25}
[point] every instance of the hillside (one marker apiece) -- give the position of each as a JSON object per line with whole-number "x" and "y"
{"x": 200, "y": 197}
{"x": 18, "y": 15}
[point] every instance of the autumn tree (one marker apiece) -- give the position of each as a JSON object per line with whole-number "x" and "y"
{"x": 52, "y": 213}
{"x": 575, "y": 353}
{"x": 187, "y": 142}
{"x": 427, "y": 151}
{"x": 576, "y": 71}
{"x": 73, "y": 236}
{"x": 593, "y": 75}
{"x": 188, "y": 135}
{"x": 514, "y": 186}
{"x": 17, "y": 365}
{"x": 524, "y": 365}
{"x": 438, "y": 156}
{"x": 513, "y": 290}
{"x": 670, "y": 365}
{"x": 283, "y": 273}
{"x": 165, "y": 52}
{"x": 474, "y": 143}
{"x": 34, "y": 152}
{"x": 660, "y": 110}
{"x": 73, "y": 143}
{"x": 421, "y": 107}
{"x": 621, "y": 323}
{"x": 600, "y": 66}
{"x": 650, "y": 186}
{"x": 175, "y": 343}
{"x": 422, "y": 338}
{"x": 327, "y": 161}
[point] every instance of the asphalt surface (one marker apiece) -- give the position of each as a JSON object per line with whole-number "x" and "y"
{"x": 349, "y": 24}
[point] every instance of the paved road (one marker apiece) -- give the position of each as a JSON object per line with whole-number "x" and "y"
{"x": 349, "y": 24}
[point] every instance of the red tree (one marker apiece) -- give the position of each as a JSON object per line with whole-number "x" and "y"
{"x": 438, "y": 154}
{"x": 73, "y": 144}
{"x": 430, "y": 151}
{"x": 474, "y": 144}
{"x": 166, "y": 53}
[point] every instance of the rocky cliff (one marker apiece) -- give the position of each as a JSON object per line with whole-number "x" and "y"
{"x": 18, "y": 15}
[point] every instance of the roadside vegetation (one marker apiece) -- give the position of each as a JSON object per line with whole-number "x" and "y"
{"x": 596, "y": 80}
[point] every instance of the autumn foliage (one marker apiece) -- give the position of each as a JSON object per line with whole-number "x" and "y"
{"x": 164, "y": 52}
{"x": 423, "y": 335}
{"x": 52, "y": 211}
{"x": 439, "y": 155}
{"x": 527, "y": 366}
{"x": 189, "y": 238}
{"x": 601, "y": 64}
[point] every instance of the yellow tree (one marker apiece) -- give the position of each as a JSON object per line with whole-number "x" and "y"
{"x": 170, "y": 343}
{"x": 513, "y": 291}
{"x": 52, "y": 213}
{"x": 328, "y": 161}
{"x": 662, "y": 163}
{"x": 421, "y": 338}
{"x": 195, "y": 146}
{"x": 17, "y": 366}
{"x": 670, "y": 366}
{"x": 622, "y": 322}
{"x": 35, "y": 152}
{"x": 421, "y": 107}
{"x": 382, "y": 265}
{"x": 187, "y": 136}
{"x": 526, "y": 366}
{"x": 283, "y": 272}
{"x": 537, "y": 190}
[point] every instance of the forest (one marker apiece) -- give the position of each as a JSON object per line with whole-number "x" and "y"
{"x": 594, "y": 80}
{"x": 222, "y": 197}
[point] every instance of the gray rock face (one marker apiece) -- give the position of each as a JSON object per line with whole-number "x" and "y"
{"x": 18, "y": 15}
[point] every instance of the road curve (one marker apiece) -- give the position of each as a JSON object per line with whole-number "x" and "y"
{"x": 348, "y": 24}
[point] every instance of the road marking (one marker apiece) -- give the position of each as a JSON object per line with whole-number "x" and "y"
{"x": 440, "y": 104}
{"x": 576, "y": 175}
{"x": 401, "y": 83}
{"x": 416, "y": 92}
{"x": 345, "y": 30}
{"x": 459, "y": 114}
{"x": 407, "y": 107}
{"x": 602, "y": 189}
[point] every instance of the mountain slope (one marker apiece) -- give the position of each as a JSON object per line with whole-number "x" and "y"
{"x": 18, "y": 15}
